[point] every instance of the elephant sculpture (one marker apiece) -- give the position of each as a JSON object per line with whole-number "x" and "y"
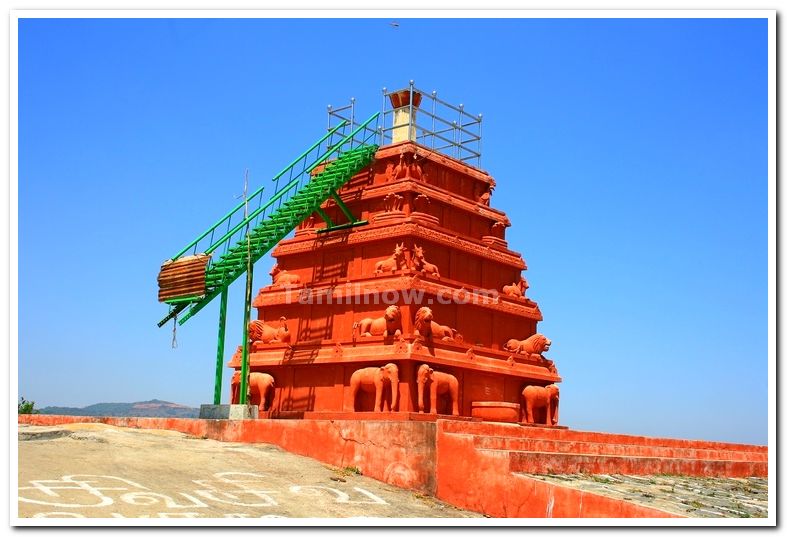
{"x": 439, "y": 384}
{"x": 376, "y": 379}
{"x": 541, "y": 404}
{"x": 260, "y": 385}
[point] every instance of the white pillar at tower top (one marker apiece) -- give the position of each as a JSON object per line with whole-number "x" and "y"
{"x": 404, "y": 114}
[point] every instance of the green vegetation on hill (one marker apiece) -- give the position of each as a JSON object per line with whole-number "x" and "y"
{"x": 154, "y": 408}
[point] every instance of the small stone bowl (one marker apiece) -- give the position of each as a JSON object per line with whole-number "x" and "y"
{"x": 496, "y": 411}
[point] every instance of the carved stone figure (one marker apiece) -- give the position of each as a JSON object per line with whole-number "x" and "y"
{"x": 389, "y": 175}
{"x": 283, "y": 278}
{"x": 401, "y": 169}
{"x": 516, "y": 289}
{"x": 483, "y": 193}
{"x": 376, "y": 379}
{"x": 415, "y": 169}
{"x": 266, "y": 333}
{"x": 499, "y": 229}
{"x": 423, "y": 265}
{"x": 550, "y": 365}
{"x": 426, "y": 328}
{"x": 541, "y": 404}
{"x": 400, "y": 347}
{"x": 408, "y": 167}
{"x": 390, "y": 324}
{"x": 395, "y": 262}
{"x": 439, "y": 384}
{"x": 306, "y": 227}
{"x": 421, "y": 203}
{"x": 260, "y": 385}
{"x": 393, "y": 203}
{"x": 420, "y": 211}
{"x": 533, "y": 346}
{"x": 391, "y": 206}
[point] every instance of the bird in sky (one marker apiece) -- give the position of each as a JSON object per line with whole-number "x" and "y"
{"x": 394, "y": 24}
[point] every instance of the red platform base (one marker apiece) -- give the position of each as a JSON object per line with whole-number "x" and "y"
{"x": 384, "y": 416}
{"x": 480, "y": 466}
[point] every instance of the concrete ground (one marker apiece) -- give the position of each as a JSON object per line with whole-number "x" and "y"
{"x": 695, "y": 497}
{"x": 94, "y": 470}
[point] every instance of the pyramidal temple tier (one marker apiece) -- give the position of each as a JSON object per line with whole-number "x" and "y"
{"x": 424, "y": 309}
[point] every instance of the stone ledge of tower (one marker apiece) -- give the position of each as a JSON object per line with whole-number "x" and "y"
{"x": 375, "y": 351}
{"x": 454, "y": 163}
{"x": 404, "y": 230}
{"x": 411, "y": 281}
{"x": 435, "y": 193}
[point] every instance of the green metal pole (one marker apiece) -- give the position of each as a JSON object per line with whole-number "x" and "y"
{"x": 244, "y": 360}
{"x": 244, "y": 370}
{"x": 324, "y": 216}
{"x": 220, "y": 350}
{"x": 343, "y": 207}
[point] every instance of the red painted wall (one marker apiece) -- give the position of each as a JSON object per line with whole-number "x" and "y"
{"x": 468, "y": 464}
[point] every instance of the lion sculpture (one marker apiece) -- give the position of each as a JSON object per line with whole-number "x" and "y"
{"x": 390, "y": 324}
{"x": 266, "y": 333}
{"x": 426, "y": 328}
{"x": 533, "y": 346}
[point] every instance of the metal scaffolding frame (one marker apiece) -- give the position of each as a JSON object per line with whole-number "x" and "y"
{"x": 439, "y": 125}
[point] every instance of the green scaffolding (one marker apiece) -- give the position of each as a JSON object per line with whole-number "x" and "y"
{"x": 255, "y": 226}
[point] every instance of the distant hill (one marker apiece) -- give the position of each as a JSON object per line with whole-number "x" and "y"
{"x": 154, "y": 408}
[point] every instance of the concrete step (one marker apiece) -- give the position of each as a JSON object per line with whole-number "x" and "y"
{"x": 568, "y": 463}
{"x": 570, "y": 435}
{"x": 604, "y": 448}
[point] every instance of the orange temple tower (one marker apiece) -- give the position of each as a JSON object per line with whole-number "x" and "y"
{"x": 424, "y": 308}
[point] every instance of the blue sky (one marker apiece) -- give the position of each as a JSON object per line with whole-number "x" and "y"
{"x": 629, "y": 154}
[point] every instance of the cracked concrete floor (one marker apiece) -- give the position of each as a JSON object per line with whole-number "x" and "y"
{"x": 99, "y": 471}
{"x": 702, "y": 497}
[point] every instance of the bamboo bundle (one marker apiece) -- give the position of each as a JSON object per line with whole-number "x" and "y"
{"x": 184, "y": 277}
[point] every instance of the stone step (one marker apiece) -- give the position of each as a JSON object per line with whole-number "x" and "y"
{"x": 567, "y": 463}
{"x": 605, "y": 448}
{"x": 571, "y": 435}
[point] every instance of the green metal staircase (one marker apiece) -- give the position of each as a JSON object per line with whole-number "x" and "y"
{"x": 254, "y": 227}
